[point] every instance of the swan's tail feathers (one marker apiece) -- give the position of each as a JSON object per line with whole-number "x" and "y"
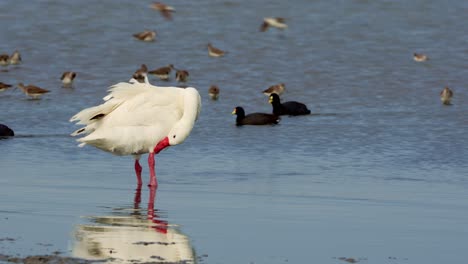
{"x": 81, "y": 145}
{"x": 84, "y": 130}
{"x": 78, "y": 132}
{"x": 92, "y": 114}
{"x": 107, "y": 97}
{"x": 118, "y": 94}
{"x": 98, "y": 116}
{"x": 125, "y": 90}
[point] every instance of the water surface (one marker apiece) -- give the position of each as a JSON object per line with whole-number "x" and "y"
{"x": 378, "y": 173}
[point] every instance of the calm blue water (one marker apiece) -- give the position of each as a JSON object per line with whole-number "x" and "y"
{"x": 378, "y": 173}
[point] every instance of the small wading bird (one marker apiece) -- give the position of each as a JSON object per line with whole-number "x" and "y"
{"x": 141, "y": 75}
{"x": 68, "y": 77}
{"x": 162, "y": 73}
{"x": 446, "y": 96}
{"x": 146, "y": 35}
{"x": 288, "y": 108}
{"x": 138, "y": 118}
{"x": 32, "y": 91}
{"x": 419, "y": 57}
{"x": 213, "y": 92}
{"x": 181, "y": 75}
{"x": 15, "y": 58}
{"x": 255, "y": 119}
{"x": 4, "y": 59}
{"x": 277, "y": 22}
{"x": 277, "y": 89}
{"x": 165, "y": 10}
{"x": 215, "y": 52}
{"x": 4, "y": 86}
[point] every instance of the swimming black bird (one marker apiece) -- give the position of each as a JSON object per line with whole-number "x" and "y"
{"x": 288, "y": 108}
{"x": 6, "y": 131}
{"x": 256, "y": 119}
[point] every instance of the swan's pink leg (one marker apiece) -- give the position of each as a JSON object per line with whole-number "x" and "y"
{"x": 138, "y": 170}
{"x": 153, "y": 182}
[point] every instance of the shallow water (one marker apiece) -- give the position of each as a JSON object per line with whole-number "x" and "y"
{"x": 378, "y": 173}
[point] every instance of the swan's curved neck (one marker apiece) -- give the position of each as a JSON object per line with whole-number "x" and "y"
{"x": 191, "y": 108}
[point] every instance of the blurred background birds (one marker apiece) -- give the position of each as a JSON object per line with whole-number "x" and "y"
{"x": 213, "y": 92}
{"x": 276, "y": 22}
{"x": 165, "y": 10}
{"x": 146, "y": 36}
{"x": 32, "y": 91}
{"x": 446, "y": 96}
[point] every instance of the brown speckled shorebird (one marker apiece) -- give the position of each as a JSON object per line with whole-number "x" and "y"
{"x": 141, "y": 75}
{"x": 419, "y": 57}
{"x": 215, "y": 52}
{"x": 32, "y": 91}
{"x": 165, "y": 10}
{"x": 146, "y": 36}
{"x": 181, "y": 75}
{"x": 15, "y": 58}
{"x": 4, "y": 86}
{"x": 277, "y": 22}
{"x": 277, "y": 89}
{"x": 213, "y": 92}
{"x": 4, "y": 59}
{"x": 446, "y": 96}
{"x": 68, "y": 77}
{"x": 163, "y": 72}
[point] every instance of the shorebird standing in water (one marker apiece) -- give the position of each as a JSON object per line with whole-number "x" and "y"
{"x": 15, "y": 58}
{"x": 4, "y": 86}
{"x": 419, "y": 57}
{"x": 277, "y": 22}
{"x": 446, "y": 96}
{"x": 163, "y": 72}
{"x": 165, "y": 10}
{"x": 277, "y": 89}
{"x": 215, "y": 52}
{"x": 67, "y": 78}
{"x": 32, "y": 91}
{"x": 146, "y": 36}
{"x": 141, "y": 75}
{"x": 4, "y": 59}
{"x": 213, "y": 92}
{"x": 181, "y": 75}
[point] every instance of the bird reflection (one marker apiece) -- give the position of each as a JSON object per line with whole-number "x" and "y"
{"x": 133, "y": 235}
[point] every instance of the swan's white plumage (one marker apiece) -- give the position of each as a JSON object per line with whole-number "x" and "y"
{"x": 136, "y": 116}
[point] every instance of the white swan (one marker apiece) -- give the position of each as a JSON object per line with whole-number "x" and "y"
{"x": 138, "y": 118}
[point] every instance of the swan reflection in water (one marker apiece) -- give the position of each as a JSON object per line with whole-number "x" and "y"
{"x": 129, "y": 236}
